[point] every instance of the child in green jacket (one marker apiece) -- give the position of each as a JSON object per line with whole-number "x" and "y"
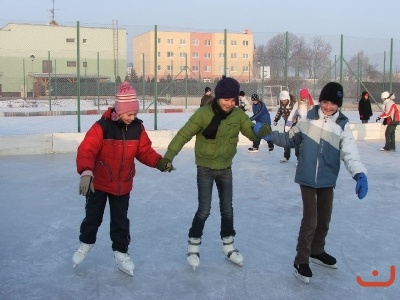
{"x": 216, "y": 127}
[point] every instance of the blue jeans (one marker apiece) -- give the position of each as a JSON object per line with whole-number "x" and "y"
{"x": 205, "y": 182}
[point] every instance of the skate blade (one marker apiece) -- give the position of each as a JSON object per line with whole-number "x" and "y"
{"x": 73, "y": 266}
{"x": 318, "y": 262}
{"x": 304, "y": 279}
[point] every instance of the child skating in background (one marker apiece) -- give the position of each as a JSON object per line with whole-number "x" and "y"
{"x": 285, "y": 107}
{"x": 106, "y": 163}
{"x": 217, "y": 127}
{"x": 391, "y": 118}
{"x": 300, "y": 109}
{"x": 326, "y": 139}
{"x": 261, "y": 115}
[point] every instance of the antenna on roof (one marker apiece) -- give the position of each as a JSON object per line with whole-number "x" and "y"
{"x": 53, "y": 21}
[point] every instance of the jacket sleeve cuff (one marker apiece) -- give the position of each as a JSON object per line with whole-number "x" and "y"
{"x": 86, "y": 173}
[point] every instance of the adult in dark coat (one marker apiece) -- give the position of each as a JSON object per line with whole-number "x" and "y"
{"x": 364, "y": 107}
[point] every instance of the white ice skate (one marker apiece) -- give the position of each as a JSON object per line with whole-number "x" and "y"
{"x": 193, "y": 255}
{"x": 81, "y": 253}
{"x": 230, "y": 252}
{"x": 124, "y": 262}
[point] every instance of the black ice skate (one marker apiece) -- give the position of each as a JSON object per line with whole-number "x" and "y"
{"x": 324, "y": 259}
{"x": 302, "y": 272}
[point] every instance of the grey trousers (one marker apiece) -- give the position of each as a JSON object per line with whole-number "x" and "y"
{"x": 317, "y": 211}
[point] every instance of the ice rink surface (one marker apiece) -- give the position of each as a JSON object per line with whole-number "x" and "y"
{"x": 41, "y": 211}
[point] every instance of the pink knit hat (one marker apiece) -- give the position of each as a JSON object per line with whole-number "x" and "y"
{"x": 305, "y": 94}
{"x": 126, "y": 99}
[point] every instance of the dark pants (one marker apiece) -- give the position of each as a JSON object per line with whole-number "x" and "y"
{"x": 119, "y": 222}
{"x": 390, "y": 137}
{"x": 256, "y": 144}
{"x": 317, "y": 211}
{"x": 205, "y": 182}
{"x": 364, "y": 121}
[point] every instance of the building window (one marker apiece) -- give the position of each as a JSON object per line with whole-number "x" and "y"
{"x": 158, "y": 54}
{"x": 233, "y": 55}
{"x": 245, "y": 43}
{"x": 71, "y": 63}
{"x": 195, "y": 42}
{"x": 195, "y": 68}
{"x": 207, "y": 55}
{"x": 207, "y": 68}
{"x": 170, "y": 54}
{"x": 245, "y": 56}
{"x": 207, "y": 42}
{"x": 158, "y": 40}
{"x": 233, "y": 69}
{"x": 158, "y": 67}
{"x": 245, "y": 68}
{"x": 182, "y": 54}
{"x": 170, "y": 67}
{"x": 221, "y": 69}
{"x": 233, "y": 43}
{"x": 70, "y": 40}
{"x": 84, "y": 41}
{"x": 170, "y": 41}
{"x": 195, "y": 55}
{"x": 221, "y": 55}
{"x": 221, "y": 42}
{"x": 182, "y": 41}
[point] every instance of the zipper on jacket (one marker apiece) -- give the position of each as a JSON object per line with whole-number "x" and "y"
{"x": 122, "y": 159}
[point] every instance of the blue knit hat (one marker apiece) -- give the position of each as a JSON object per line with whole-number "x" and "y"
{"x": 227, "y": 87}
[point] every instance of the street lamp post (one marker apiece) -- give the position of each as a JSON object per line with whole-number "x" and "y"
{"x": 32, "y": 57}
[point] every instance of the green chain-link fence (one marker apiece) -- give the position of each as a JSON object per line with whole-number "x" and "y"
{"x": 74, "y": 69}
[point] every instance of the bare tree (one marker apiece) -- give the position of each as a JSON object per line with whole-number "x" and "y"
{"x": 361, "y": 68}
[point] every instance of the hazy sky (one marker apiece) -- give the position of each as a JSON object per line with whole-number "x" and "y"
{"x": 362, "y": 18}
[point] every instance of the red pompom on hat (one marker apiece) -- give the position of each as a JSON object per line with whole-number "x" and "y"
{"x": 305, "y": 94}
{"x": 126, "y": 99}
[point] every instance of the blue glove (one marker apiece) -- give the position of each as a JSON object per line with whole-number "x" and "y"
{"x": 362, "y": 185}
{"x": 262, "y": 131}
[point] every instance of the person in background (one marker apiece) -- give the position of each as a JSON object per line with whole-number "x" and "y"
{"x": 217, "y": 127}
{"x": 326, "y": 139}
{"x": 261, "y": 115}
{"x": 207, "y": 97}
{"x": 106, "y": 163}
{"x": 285, "y": 107}
{"x": 300, "y": 109}
{"x": 243, "y": 99}
{"x": 391, "y": 118}
{"x": 364, "y": 107}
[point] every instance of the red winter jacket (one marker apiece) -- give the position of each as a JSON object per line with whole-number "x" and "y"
{"x": 109, "y": 149}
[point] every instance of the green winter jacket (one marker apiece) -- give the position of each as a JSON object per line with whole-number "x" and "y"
{"x": 215, "y": 153}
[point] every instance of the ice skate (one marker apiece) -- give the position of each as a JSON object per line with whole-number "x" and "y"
{"x": 124, "y": 262}
{"x": 230, "y": 252}
{"x": 252, "y": 149}
{"x": 81, "y": 253}
{"x": 193, "y": 255}
{"x": 302, "y": 272}
{"x": 283, "y": 159}
{"x": 324, "y": 259}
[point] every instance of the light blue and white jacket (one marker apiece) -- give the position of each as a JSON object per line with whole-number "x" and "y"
{"x": 324, "y": 141}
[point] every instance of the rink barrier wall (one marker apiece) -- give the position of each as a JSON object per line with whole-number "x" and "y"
{"x": 55, "y": 143}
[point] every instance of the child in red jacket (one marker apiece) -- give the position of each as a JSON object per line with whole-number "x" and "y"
{"x": 106, "y": 163}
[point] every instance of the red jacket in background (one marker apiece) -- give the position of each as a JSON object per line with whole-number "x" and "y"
{"x": 109, "y": 150}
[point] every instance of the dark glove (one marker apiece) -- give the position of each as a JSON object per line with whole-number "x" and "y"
{"x": 362, "y": 185}
{"x": 377, "y": 119}
{"x": 86, "y": 185}
{"x": 165, "y": 165}
{"x": 261, "y": 130}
